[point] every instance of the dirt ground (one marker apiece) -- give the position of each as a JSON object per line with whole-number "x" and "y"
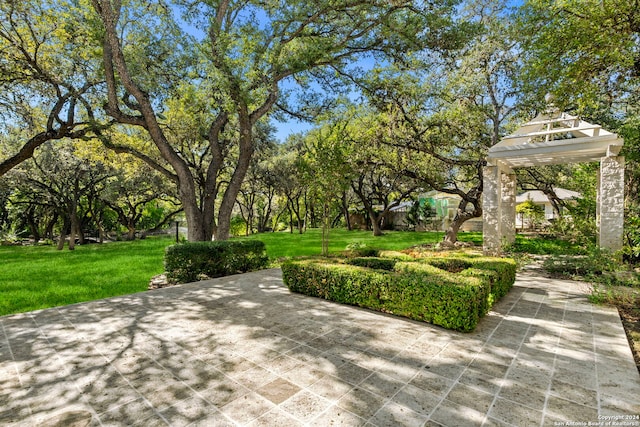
{"x": 630, "y": 314}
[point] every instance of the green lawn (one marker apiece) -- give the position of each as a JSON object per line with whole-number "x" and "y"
{"x": 32, "y": 278}
{"x": 284, "y": 244}
{"x": 39, "y": 277}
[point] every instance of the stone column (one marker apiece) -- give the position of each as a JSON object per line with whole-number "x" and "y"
{"x": 508, "y": 208}
{"x": 611, "y": 202}
{"x": 491, "y": 201}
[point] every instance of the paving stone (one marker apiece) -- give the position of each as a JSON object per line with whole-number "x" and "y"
{"x": 417, "y": 399}
{"x": 337, "y": 416}
{"x": 275, "y": 418}
{"x": 524, "y": 395}
{"x": 304, "y": 376}
{"x": 352, "y": 373}
{"x": 432, "y": 382}
{"x": 471, "y": 397}
{"x": 570, "y": 411}
{"x": 361, "y": 402}
{"x": 393, "y": 414}
{"x": 453, "y": 414}
{"x": 515, "y": 414}
{"x": 246, "y": 344}
{"x": 68, "y": 417}
{"x": 574, "y": 393}
{"x": 448, "y": 368}
{"x": 533, "y": 378}
{"x": 130, "y": 413}
{"x": 330, "y": 387}
{"x": 187, "y": 411}
{"x": 305, "y": 406}
{"x": 382, "y": 385}
{"x": 279, "y": 390}
{"x": 480, "y": 380}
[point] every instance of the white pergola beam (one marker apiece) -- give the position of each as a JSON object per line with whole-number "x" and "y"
{"x": 555, "y": 131}
{"x": 517, "y": 150}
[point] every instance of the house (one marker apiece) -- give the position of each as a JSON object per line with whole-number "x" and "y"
{"x": 540, "y": 199}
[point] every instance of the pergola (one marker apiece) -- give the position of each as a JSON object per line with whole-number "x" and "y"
{"x": 552, "y": 137}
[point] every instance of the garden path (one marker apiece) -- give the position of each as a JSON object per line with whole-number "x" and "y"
{"x": 243, "y": 350}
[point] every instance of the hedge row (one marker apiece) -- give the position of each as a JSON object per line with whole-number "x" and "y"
{"x": 188, "y": 262}
{"x": 418, "y": 289}
{"x": 500, "y": 272}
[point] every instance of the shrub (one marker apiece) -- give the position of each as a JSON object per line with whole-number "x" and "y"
{"x": 359, "y": 249}
{"x": 371, "y": 262}
{"x": 187, "y": 262}
{"x": 499, "y": 272}
{"x": 416, "y": 289}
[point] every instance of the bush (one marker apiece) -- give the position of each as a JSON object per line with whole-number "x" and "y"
{"x": 359, "y": 249}
{"x": 416, "y": 289}
{"x": 371, "y": 262}
{"x": 187, "y": 262}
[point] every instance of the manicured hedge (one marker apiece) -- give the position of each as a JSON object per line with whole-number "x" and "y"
{"x": 187, "y": 262}
{"x": 371, "y": 262}
{"x": 500, "y": 272}
{"x": 417, "y": 289}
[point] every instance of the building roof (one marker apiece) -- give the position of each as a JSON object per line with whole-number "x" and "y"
{"x": 537, "y": 196}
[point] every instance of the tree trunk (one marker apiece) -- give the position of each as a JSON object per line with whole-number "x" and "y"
{"x": 63, "y": 233}
{"x": 451, "y": 235}
{"x": 197, "y": 229}
{"x": 345, "y": 209}
{"x": 131, "y": 232}
{"x": 375, "y": 223}
{"x": 48, "y": 232}
{"x": 235, "y": 183}
{"x": 30, "y": 218}
{"x": 462, "y": 215}
{"x": 74, "y": 227}
{"x": 326, "y": 227}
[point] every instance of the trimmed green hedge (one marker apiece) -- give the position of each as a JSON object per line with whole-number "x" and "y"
{"x": 418, "y": 289}
{"x": 187, "y": 262}
{"x": 371, "y": 262}
{"x": 499, "y": 272}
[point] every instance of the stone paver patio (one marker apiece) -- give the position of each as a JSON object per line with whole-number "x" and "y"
{"x": 242, "y": 350}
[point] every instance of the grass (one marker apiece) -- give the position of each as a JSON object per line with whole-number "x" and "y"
{"x": 541, "y": 245}
{"x": 284, "y": 244}
{"x": 33, "y": 278}
{"x": 36, "y": 277}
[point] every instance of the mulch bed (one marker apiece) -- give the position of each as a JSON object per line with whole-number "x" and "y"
{"x": 630, "y": 315}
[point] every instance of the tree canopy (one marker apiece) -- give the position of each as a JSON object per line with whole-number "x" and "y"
{"x": 404, "y": 97}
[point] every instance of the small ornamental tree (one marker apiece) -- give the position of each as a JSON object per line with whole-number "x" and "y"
{"x": 531, "y": 213}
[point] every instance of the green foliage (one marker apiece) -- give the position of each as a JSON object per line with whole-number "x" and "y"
{"x": 360, "y": 249}
{"x": 580, "y": 50}
{"x": 37, "y": 277}
{"x": 420, "y": 213}
{"x": 238, "y": 226}
{"x": 531, "y": 212}
{"x": 631, "y": 250}
{"x": 499, "y": 272}
{"x": 544, "y": 245}
{"x": 373, "y": 262}
{"x": 415, "y": 289}
{"x": 189, "y": 261}
{"x": 285, "y": 244}
{"x": 597, "y": 265}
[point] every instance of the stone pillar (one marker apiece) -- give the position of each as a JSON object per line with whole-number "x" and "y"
{"x": 611, "y": 202}
{"x": 491, "y": 201}
{"x": 508, "y": 208}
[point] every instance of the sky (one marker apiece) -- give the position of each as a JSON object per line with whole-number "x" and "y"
{"x": 287, "y": 127}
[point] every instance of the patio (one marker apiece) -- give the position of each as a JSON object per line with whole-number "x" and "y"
{"x": 243, "y": 350}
